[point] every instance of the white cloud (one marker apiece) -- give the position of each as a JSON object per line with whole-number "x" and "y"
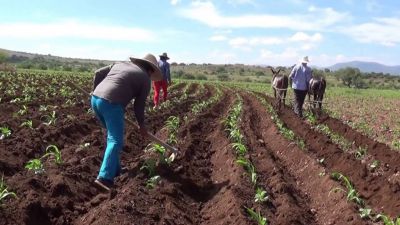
{"x": 301, "y": 36}
{"x": 241, "y": 2}
{"x": 384, "y": 31}
{"x": 315, "y": 19}
{"x": 218, "y": 38}
{"x": 74, "y": 29}
{"x": 174, "y": 2}
{"x": 305, "y": 41}
{"x": 288, "y": 56}
{"x": 254, "y": 41}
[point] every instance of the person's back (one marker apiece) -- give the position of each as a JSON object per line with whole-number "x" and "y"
{"x": 300, "y": 76}
{"x": 123, "y": 82}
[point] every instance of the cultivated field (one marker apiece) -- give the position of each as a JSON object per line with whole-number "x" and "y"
{"x": 241, "y": 162}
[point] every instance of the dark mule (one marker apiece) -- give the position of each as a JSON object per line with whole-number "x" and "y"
{"x": 280, "y": 84}
{"x": 317, "y": 89}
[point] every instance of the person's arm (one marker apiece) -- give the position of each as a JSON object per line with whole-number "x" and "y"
{"x": 168, "y": 73}
{"x": 139, "y": 106}
{"x": 100, "y": 74}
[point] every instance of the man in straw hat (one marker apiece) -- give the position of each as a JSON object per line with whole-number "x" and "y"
{"x": 300, "y": 76}
{"x": 165, "y": 82}
{"x": 114, "y": 87}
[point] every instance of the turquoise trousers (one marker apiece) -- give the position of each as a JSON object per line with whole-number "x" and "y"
{"x": 112, "y": 118}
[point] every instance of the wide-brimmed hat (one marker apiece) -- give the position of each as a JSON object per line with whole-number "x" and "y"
{"x": 150, "y": 60}
{"x": 305, "y": 59}
{"x": 164, "y": 55}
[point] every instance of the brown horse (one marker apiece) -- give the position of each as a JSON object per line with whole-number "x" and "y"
{"x": 279, "y": 85}
{"x": 317, "y": 89}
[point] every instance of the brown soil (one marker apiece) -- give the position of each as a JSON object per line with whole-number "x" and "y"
{"x": 204, "y": 185}
{"x": 380, "y": 190}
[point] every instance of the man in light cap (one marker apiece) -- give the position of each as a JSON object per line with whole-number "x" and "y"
{"x": 300, "y": 76}
{"x": 114, "y": 87}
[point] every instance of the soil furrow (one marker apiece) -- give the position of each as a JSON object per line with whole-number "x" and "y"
{"x": 382, "y": 195}
{"x": 377, "y": 150}
{"x": 302, "y": 175}
{"x": 195, "y": 185}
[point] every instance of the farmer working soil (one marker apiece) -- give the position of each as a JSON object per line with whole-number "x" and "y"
{"x": 114, "y": 87}
{"x": 300, "y": 77}
{"x": 165, "y": 82}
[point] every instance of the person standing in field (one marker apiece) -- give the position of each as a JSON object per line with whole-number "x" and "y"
{"x": 114, "y": 87}
{"x": 164, "y": 83}
{"x": 300, "y": 76}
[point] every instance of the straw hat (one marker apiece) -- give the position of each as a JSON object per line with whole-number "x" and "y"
{"x": 164, "y": 55}
{"x": 305, "y": 59}
{"x": 150, "y": 60}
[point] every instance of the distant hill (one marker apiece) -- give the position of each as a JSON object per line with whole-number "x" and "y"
{"x": 368, "y": 67}
{"x": 20, "y": 56}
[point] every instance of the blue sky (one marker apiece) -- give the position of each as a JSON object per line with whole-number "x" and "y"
{"x": 224, "y": 31}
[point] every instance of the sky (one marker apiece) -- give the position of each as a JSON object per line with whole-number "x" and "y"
{"x": 252, "y": 32}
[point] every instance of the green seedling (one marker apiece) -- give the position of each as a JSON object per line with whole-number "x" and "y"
{"x": 365, "y": 213}
{"x": 53, "y": 150}
{"x": 361, "y": 152}
{"x": 375, "y": 164}
{"x": 150, "y": 166}
{"x": 35, "y": 165}
{"x": 153, "y": 181}
{"x": 387, "y": 220}
{"x": 4, "y": 132}
{"x": 256, "y": 216}
{"x": 28, "y": 124}
{"x": 49, "y": 119}
{"x": 161, "y": 151}
{"x": 261, "y": 195}
{"x": 352, "y": 194}
{"x": 240, "y": 149}
{"x": 250, "y": 169}
{"x": 4, "y": 192}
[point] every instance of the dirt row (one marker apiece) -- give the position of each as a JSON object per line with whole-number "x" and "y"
{"x": 298, "y": 194}
{"x": 60, "y": 194}
{"x": 380, "y": 190}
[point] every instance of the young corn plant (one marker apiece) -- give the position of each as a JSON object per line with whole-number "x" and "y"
{"x": 153, "y": 181}
{"x": 172, "y": 125}
{"x": 150, "y": 166}
{"x": 53, "y": 151}
{"x": 49, "y": 119}
{"x": 35, "y": 165}
{"x": 4, "y": 132}
{"x": 240, "y": 149}
{"x": 160, "y": 150}
{"x": 361, "y": 152}
{"x": 352, "y": 194}
{"x": 261, "y": 195}
{"x": 256, "y": 216}
{"x": 27, "y": 123}
{"x": 387, "y": 220}
{"x": 4, "y": 193}
{"x": 249, "y": 167}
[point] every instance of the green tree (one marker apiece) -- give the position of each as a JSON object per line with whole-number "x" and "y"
{"x": 350, "y": 77}
{"x": 3, "y": 57}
